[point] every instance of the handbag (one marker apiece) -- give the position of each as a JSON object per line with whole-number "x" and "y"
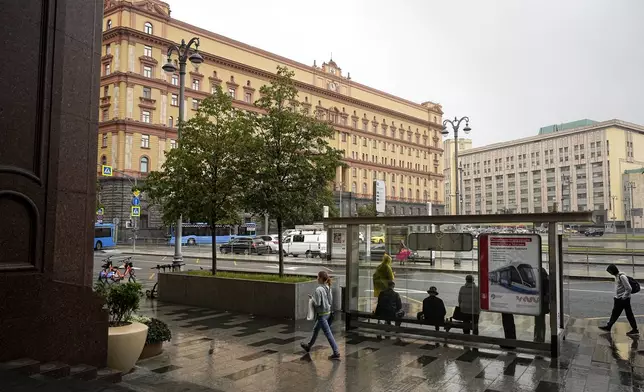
{"x": 458, "y": 315}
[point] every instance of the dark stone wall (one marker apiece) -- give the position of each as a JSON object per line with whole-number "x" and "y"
{"x": 49, "y": 89}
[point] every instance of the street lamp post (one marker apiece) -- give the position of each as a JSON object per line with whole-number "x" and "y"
{"x": 183, "y": 52}
{"x": 456, "y": 123}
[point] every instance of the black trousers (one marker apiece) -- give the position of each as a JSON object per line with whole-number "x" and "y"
{"x": 620, "y": 305}
{"x": 508, "y": 326}
{"x": 474, "y": 320}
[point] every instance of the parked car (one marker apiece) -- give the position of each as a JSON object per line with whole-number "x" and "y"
{"x": 594, "y": 233}
{"x": 378, "y": 239}
{"x": 272, "y": 240}
{"x": 245, "y": 245}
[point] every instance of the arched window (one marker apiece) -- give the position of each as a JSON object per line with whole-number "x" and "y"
{"x": 171, "y": 122}
{"x": 417, "y": 194}
{"x": 393, "y": 178}
{"x": 411, "y": 212}
{"x": 425, "y": 195}
{"x": 410, "y": 194}
{"x": 103, "y": 160}
{"x": 108, "y": 25}
{"x": 364, "y": 188}
{"x": 147, "y": 28}
{"x": 393, "y": 210}
{"x": 402, "y": 192}
{"x": 144, "y": 164}
{"x": 393, "y": 191}
{"x": 435, "y": 195}
{"x": 354, "y": 187}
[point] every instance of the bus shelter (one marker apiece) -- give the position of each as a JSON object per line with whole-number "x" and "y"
{"x": 503, "y": 275}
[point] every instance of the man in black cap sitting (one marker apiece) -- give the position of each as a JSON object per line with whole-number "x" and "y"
{"x": 434, "y": 309}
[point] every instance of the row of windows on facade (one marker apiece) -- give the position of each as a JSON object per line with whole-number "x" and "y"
{"x": 410, "y": 194}
{"x": 474, "y": 169}
{"x": 147, "y": 27}
{"x": 145, "y": 141}
{"x": 389, "y": 162}
{"x": 334, "y": 116}
{"x": 551, "y": 177}
{"x": 355, "y": 172}
{"x": 366, "y": 142}
{"x": 549, "y": 158}
{"x": 144, "y": 163}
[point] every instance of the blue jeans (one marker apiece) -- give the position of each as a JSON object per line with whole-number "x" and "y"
{"x": 323, "y": 322}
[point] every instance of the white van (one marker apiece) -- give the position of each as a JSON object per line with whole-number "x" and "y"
{"x": 308, "y": 243}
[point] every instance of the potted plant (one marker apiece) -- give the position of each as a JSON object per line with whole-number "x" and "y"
{"x": 125, "y": 338}
{"x": 158, "y": 332}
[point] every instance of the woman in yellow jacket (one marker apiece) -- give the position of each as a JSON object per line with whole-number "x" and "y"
{"x": 383, "y": 275}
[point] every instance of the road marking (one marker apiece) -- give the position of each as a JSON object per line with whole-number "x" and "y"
{"x": 412, "y": 299}
{"x": 607, "y": 318}
{"x": 399, "y": 290}
{"x": 151, "y": 276}
{"x": 164, "y": 257}
{"x": 286, "y": 268}
{"x": 592, "y": 291}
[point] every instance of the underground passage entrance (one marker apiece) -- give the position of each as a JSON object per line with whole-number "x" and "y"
{"x": 491, "y": 279}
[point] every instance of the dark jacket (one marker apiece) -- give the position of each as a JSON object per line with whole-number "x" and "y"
{"x": 434, "y": 310}
{"x": 468, "y": 299}
{"x": 389, "y": 304}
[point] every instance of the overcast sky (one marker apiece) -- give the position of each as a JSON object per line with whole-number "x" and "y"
{"x": 512, "y": 66}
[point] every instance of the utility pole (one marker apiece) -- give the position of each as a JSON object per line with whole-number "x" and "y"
{"x": 631, "y": 186}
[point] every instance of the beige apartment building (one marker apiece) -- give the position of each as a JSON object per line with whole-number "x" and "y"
{"x": 383, "y": 136}
{"x": 569, "y": 167}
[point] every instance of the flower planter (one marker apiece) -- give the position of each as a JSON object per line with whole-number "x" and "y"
{"x": 124, "y": 345}
{"x": 151, "y": 350}
{"x": 260, "y": 298}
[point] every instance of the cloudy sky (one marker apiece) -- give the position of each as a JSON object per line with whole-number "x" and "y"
{"x": 512, "y": 66}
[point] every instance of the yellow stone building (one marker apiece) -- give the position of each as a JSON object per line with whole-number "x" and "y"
{"x": 383, "y": 136}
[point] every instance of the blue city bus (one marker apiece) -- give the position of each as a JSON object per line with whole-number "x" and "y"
{"x": 103, "y": 236}
{"x": 200, "y": 233}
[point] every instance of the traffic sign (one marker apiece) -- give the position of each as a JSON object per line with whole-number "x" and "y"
{"x": 106, "y": 170}
{"x": 136, "y": 201}
{"x": 100, "y": 211}
{"x": 136, "y": 193}
{"x": 136, "y": 211}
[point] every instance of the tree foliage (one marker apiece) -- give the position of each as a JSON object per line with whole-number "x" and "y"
{"x": 295, "y": 161}
{"x": 367, "y": 210}
{"x": 207, "y": 176}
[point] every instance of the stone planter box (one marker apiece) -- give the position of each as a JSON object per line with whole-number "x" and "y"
{"x": 271, "y": 299}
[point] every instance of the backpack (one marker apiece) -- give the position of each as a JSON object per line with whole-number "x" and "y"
{"x": 635, "y": 286}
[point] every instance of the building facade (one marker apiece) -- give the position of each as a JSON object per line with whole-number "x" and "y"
{"x": 449, "y": 171}
{"x": 575, "y": 169}
{"x": 633, "y": 187}
{"x": 383, "y": 137}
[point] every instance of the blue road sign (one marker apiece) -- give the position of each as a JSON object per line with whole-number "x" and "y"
{"x": 136, "y": 201}
{"x": 136, "y": 211}
{"x": 107, "y": 170}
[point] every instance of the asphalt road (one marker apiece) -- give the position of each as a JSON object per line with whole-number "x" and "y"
{"x": 586, "y": 299}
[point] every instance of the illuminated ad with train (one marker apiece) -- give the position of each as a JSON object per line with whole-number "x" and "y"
{"x": 509, "y": 277}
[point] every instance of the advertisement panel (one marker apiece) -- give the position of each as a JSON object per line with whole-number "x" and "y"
{"x": 509, "y": 273}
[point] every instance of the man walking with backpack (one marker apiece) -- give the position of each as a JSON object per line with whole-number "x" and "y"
{"x": 624, "y": 286}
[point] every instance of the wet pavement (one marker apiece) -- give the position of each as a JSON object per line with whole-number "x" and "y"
{"x": 218, "y": 351}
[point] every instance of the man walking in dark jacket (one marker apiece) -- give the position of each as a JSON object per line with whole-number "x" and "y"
{"x": 622, "y": 301}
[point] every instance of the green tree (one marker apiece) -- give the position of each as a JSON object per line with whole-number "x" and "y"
{"x": 367, "y": 210}
{"x": 206, "y": 177}
{"x": 295, "y": 161}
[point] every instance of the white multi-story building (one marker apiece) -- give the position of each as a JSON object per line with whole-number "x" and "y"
{"x": 570, "y": 167}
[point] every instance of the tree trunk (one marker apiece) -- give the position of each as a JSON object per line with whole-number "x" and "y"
{"x": 214, "y": 247}
{"x": 280, "y": 247}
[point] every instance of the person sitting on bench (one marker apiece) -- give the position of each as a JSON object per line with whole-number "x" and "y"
{"x": 433, "y": 309}
{"x": 389, "y": 304}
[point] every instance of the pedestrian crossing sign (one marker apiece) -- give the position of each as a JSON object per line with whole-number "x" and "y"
{"x": 106, "y": 170}
{"x": 136, "y": 211}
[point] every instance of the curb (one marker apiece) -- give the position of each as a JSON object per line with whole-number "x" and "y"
{"x": 400, "y": 268}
